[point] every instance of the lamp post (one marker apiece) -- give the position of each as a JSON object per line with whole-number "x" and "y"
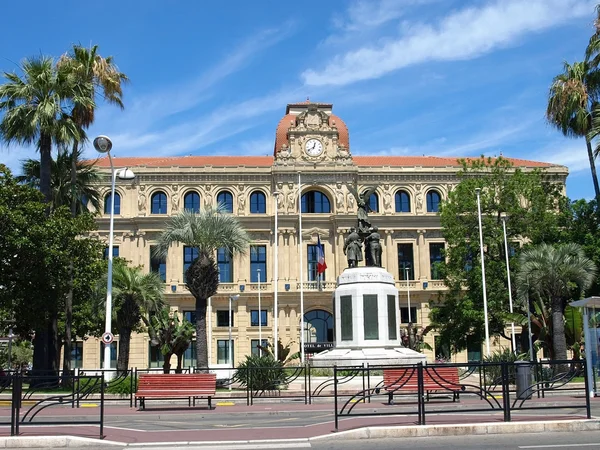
{"x": 510, "y": 302}
{"x": 276, "y": 281}
{"x": 10, "y": 339}
{"x": 259, "y": 317}
{"x": 407, "y": 270}
{"x": 103, "y": 144}
{"x": 485, "y": 309}
{"x": 229, "y": 349}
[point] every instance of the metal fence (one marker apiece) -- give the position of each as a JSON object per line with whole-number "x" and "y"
{"x": 32, "y": 394}
{"x": 499, "y": 388}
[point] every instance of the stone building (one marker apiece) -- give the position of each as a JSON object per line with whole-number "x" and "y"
{"x": 312, "y": 145}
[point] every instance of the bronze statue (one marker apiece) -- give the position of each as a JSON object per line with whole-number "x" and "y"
{"x": 362, "y": 200}
{"x": 353, "y": 248}
{"x": 373, "y": 248}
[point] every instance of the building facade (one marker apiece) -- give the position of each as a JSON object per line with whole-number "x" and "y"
{"x": 308, "y": 181}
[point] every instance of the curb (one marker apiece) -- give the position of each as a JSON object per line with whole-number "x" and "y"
{"x": 556, "y": 426}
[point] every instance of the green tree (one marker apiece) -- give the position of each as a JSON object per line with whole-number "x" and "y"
{"x": 86, "y": 181}
{"x": 206, "y": 231}
{"x": 36, "y": 109}
{"x": 582, "y": 226}
{"x": 556, "y": 274}
{"x": 573, "y": 95}
{"x": 531, "y": 203}
{"x": 35, "y": 252}
{"x": 171, "y": 335}
{"x": 136, "y": 295}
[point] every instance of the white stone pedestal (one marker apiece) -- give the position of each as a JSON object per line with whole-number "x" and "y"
{"x": 367, "y": 321}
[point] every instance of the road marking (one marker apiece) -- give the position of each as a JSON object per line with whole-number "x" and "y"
{"x": 231, "y": 426}
{"x": 225, "y": 404}
{"x": 597, "y": 445}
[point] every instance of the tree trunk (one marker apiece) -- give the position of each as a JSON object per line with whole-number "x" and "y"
{"x": 201, "y": 343}
{"x": 593, "y": 169}
{"x": 167, "y": 363}
{"x": 124, "y": 344}
{"x": 68, "y": 339}
{"x": 559, "y": 341}
{"x": 179, "y": 362}
{"x": 41, "y": 352}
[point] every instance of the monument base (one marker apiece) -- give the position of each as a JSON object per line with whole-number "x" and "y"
{"x": 371, "y": 356}
{"x": 367, "y": 316}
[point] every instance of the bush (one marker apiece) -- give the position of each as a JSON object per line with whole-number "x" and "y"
{"x": 260, "y": 373}
{"x": 121, "y": 387}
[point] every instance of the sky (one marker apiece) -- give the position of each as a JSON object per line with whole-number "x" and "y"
{"x": 408, "y": 77}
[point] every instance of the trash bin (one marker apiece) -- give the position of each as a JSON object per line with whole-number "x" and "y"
{"x": 523, "y": 379}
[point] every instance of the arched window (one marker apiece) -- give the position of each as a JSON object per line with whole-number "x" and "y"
{"x": 258, "y": 203}
{"x": 159, "y": 203}
{"x": 402, "y": 201}
{"x": 433, "y": 201}
{"x": 315, "y": 202}
{"x": 226, "y": 199}
{"x": 318, "y": 326}
{"x": 191, "y": 202}
{"x": 117, "y": 204}
{"x": 374, "y": 202}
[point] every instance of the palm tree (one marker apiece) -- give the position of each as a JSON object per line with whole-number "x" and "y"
{"x": 135, "y": 296}
{"x": 37, "y": 108}
{"x": 206, "y": 231}
{"x": 172, "y": 336}
{"x": 87, "y": 67}
{"x": 554, "y": 274}
{"x": 86, "y": 181}
{"x": 573, "y": 96}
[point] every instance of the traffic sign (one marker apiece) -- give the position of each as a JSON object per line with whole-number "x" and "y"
{"x": 107, "y": 338}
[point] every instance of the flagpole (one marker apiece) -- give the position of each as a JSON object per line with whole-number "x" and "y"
{"x": 301, "y": 270}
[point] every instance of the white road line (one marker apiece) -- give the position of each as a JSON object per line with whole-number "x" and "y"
{"x": 597, "y": 445}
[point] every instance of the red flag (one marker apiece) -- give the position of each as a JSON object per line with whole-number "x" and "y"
{"x": 321, "y": 264}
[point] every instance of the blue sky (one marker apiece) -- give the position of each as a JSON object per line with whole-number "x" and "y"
{"x": 409, "y": 77}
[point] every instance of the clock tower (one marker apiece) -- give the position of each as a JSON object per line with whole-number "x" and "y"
{"x": 309, "y": 132}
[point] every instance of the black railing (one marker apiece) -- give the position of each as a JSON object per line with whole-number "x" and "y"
{"x": 42, "y": 392}
{"x": 502, "y": 388}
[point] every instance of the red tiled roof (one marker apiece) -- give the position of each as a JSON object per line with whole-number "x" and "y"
{"x": 189, "y": 161}
{"x": 432, "y": 161}
{"x": 267, "y": 161}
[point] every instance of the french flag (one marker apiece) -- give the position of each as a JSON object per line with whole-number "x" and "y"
{"x": 321, "y": 264}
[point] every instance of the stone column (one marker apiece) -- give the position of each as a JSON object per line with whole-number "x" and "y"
{"x": 422, "y": 254}
{"x": 389, "y": 250}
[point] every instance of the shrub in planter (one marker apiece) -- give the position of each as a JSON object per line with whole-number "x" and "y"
{"x": 260, "y": 373}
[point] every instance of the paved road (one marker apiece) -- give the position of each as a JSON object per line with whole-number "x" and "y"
{"x": 558, "y": 441}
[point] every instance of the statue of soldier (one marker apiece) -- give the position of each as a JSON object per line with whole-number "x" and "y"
{"x": 352, "y": 248}
{"x": 373, "y": 247}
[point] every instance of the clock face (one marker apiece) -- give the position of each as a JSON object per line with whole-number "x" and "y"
{"x": 314, "y": 147}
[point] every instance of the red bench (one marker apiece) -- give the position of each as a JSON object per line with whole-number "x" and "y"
{"x": 168, "y": 386}
{"x": 434, "y": 379}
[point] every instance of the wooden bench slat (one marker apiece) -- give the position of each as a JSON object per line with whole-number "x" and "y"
{"x": 165, "y": 386}
{"x": 434, "y": 379}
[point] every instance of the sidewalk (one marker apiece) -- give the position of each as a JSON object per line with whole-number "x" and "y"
{"x": 278, "y": 421}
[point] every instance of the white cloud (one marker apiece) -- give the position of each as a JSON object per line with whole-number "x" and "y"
{"x": 464, "y": 34}
{"x": 369, "y": 14}
{"x": 151, "y": 107}
{"x": 566, "y": 152}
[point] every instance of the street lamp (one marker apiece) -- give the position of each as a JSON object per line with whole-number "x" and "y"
{"x": 503, "y": 217}
{"x": 408, "y": 293}
{"x": 276, "y": 281}
{"x": 485, "y": 309}
{"x": 103, "y": 144}
{"x": 259, "y": 317}
{"x": 231, "y": 298}
{"x": 10, "y": 339}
